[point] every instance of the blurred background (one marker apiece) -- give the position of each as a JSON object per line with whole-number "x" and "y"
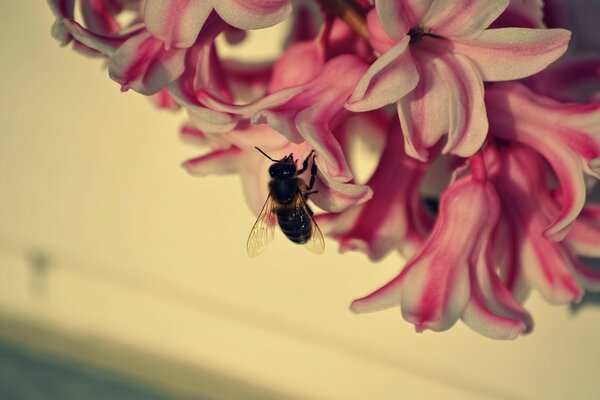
{"x": 121, "y": 277}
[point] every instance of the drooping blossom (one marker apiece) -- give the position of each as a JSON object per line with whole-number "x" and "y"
{"x": 178, "y": 22}
{"x": 453, "y": 275}
{"x": 434, "y": 57}
{"x": 481, "y": 186}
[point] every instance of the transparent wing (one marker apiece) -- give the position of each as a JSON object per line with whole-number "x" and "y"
{"x": 262, "y": 232}
{"x": 316, "y": 243}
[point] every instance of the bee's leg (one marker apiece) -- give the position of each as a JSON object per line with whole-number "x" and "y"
{"x": 313, "y": 174}
{"x": 305, "y": 163}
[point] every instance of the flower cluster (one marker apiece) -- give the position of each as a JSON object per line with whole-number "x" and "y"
{"x": 487, "y": 149}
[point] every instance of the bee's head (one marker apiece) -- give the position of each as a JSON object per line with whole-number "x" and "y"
{"x": 284, "y": 168}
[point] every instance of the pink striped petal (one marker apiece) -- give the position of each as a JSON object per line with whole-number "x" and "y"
{"x": 394, "y": 218}
{"x": 433, "y": 288}
{"x": 513, "y": 53}
{"x": 492, "y": 310}
{"x": 100, "y": 16}
{"x": 253, "y": 14}
{"x": 462, "y": 18}
{"x": 548, "y": 268}
{"x": 424, "y": 111}
{"x": 176, "y": 22}
{"x": 143, "y": 64}
{"x": 584, "y": 236}
{"x": 300, "y": 63}
{"x": 310, "y": 114}
{"x": 336, "y": 196}
{"x": 467, "y": 121}
{"x": 395, "y": 17}
{"x": 517, "y": 114}
{"x": 218, "y": 162}
{"x": 522, "y": 14}
{"x": 389, "y": 78}
{"x": 404, "y": 13}
{"x": 107, "y": 46}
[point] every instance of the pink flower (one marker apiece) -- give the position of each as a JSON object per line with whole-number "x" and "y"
{"x": 453, "y": 275}
{"x": 532, "y": 260}
{"x": 178, "y": 22}
{"x": 435, "y": 54}
{"x": 395, "y": 218}
{"x": 481, "y": 184}
{"x": 566, "y": 135}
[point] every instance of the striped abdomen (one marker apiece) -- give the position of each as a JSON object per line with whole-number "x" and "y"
{"x": 295, "y": 223}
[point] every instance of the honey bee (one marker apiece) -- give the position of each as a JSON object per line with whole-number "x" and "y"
{"x": 286, "y": 202}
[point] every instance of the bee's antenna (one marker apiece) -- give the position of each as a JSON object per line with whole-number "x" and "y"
{"x": 265, "y": 154}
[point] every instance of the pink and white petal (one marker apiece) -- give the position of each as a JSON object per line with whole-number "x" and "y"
{"x": 468, "y": 124}
{"x": 315, "y": 130}
{"x": 492, "y": 310}
{"x": 411, "y": 11}
{"x": 522, "y": 14}
{"x": 584, "y": 236}
{"x": 218, "y": 162}
{"x": 379, "y": 39}
{"x": 435, "y": 292}
{"x": 513, "y": 53}
{"x": 300, "y": 63}
{"x": 105, "y": 45}
{"x": 545, "y": 268}
{"x": 253, "y": 14}
{"x": 395, "y": 17}
{"x": 389, "y": 78}
{"x": 143, "y": 65}
{"x": 283, "y": 121}
{"x": 594, "y": 166}
{"x": 275, "y": 100}
{"x": 176, "y": 22}
{"x": 100, "y": 16}
{"x": 336, "y": 196}
{"x": 506, "y": 107}
{"x": 462, "y": 18}
{"x": 424, "y": 111}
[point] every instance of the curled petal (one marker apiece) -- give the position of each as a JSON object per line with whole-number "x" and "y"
{"x": 424, "y": 111}
{"x": 462, "y": 18}
{"x": 468, "y": 122}
{"x": 433, "y": 289}
{"x": 203, "y": 118}
{"x": 300, "y": 63}
{"x": 105, "y": 45}
{"x": 595, "y": 166}
{"x": 218, "y": 162}
{"x": 395, "y": 17}
{"x": 513, "y": 53}
{"x": 390, "y": 77}
{"x": 549, "y": 270}
{"x": 143, "y": 65}
{"x": 492, "y": 310}
{"x": 404, "y": 13}
{"x": 336, "y": 196}
{"x": 100, "y": 16}
{"x": 253, "y": 14}
{"x": 584, "y": 235}
{"x": 176, "y": 22}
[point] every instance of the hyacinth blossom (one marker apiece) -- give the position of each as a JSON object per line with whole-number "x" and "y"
{"x": 483, "y": 122}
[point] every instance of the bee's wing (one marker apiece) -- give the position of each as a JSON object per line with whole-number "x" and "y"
{"x": 262, "y": 232}
{"x": 316, "y": 243}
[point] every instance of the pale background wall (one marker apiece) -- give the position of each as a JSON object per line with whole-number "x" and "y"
{"x": 134, "y": 255}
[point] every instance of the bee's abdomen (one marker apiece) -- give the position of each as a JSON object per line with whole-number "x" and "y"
{"x": 295, "y": 223}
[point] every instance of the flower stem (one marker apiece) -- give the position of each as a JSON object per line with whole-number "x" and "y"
{"x": 347, "y": 11}
{"x": 478, "y": 169}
